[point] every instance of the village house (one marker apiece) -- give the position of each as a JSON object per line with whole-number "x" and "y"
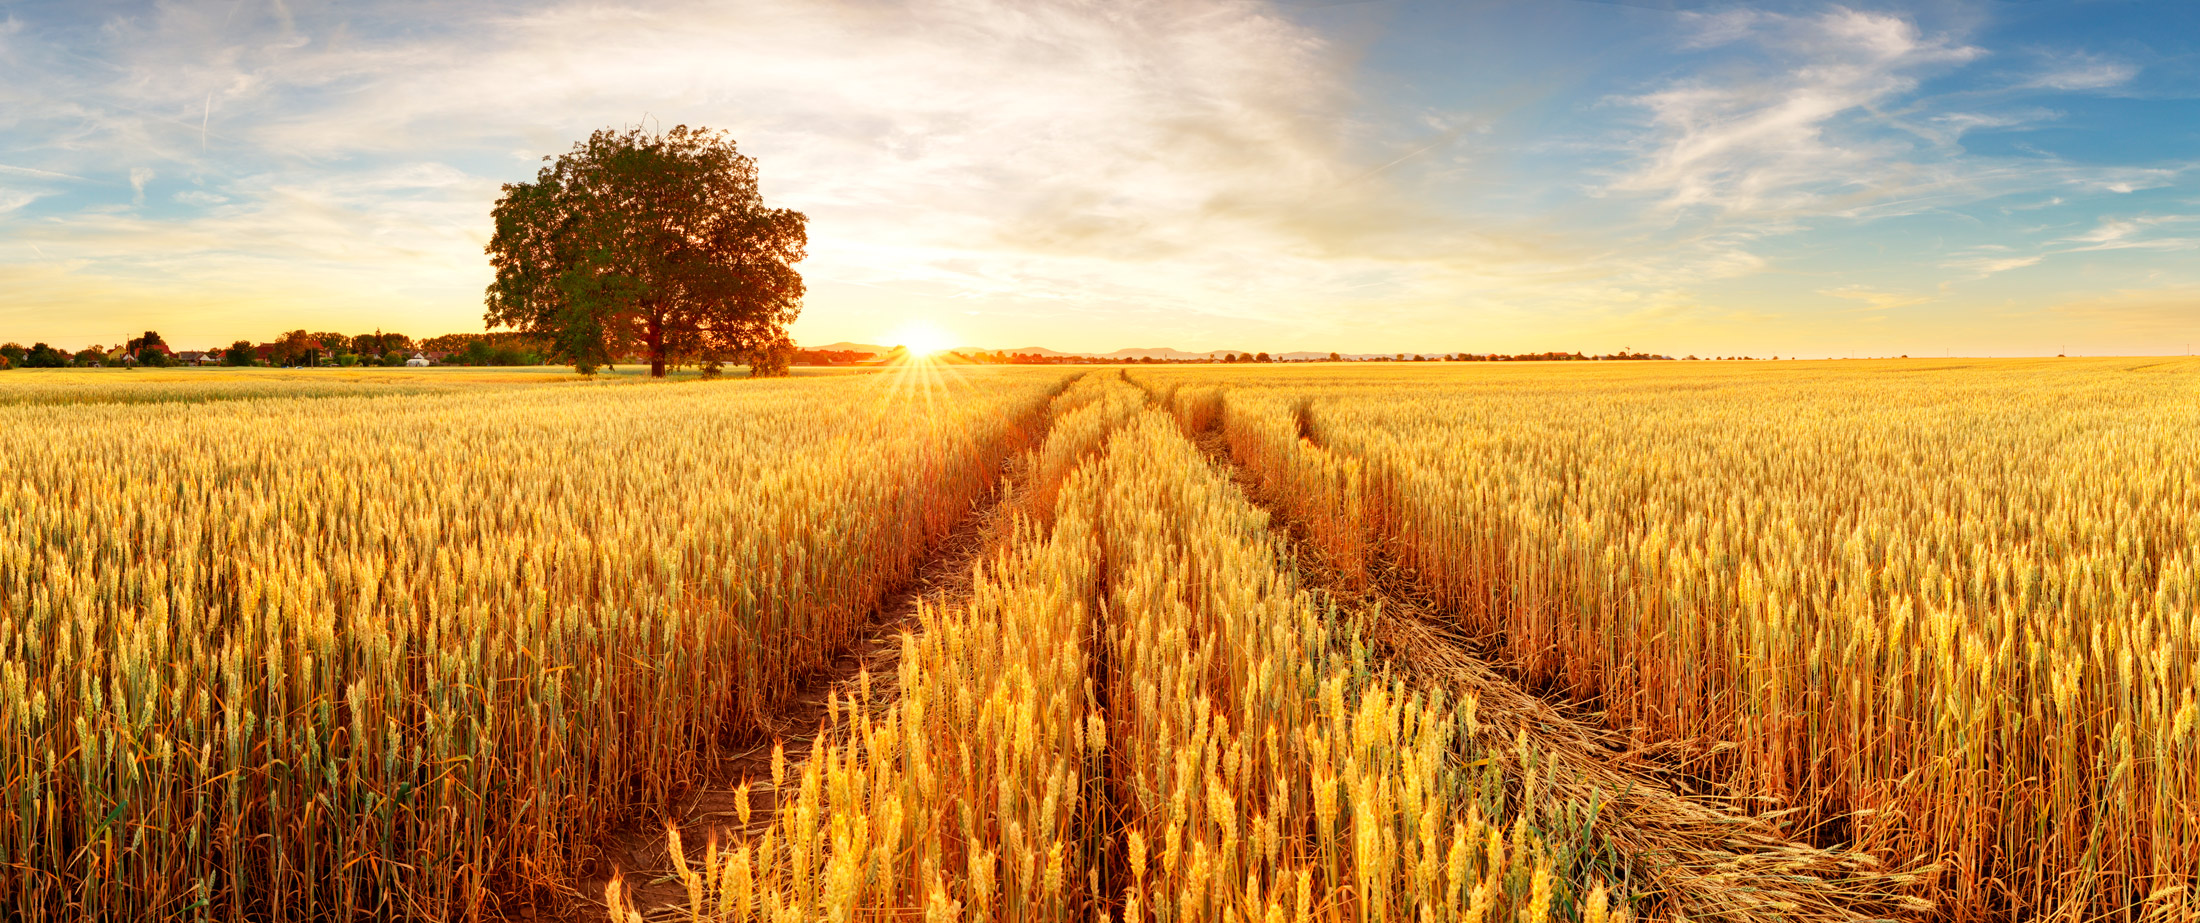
{"x": 123, "y": 356}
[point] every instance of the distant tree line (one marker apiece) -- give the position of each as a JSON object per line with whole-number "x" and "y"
{"x": 301, "y": 348}
{"x": 829, "y": 357}
{"x": 1622, "y": 355}
{"x": 36, "y": 356}
{"x": 1005, "y": 357}
{"x": 148, "y": 349}
{"x": 297, "y": 348}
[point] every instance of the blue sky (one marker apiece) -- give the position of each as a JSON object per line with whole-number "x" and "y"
{"x": 1981, "y": 178}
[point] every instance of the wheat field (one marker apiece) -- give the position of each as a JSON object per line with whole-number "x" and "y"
{"x": 332, "y": 656}
{"x": 1942, "y": 612}
{"x": 1338, "y": 642}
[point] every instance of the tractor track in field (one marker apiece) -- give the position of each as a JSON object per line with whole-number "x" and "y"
{"x": 1698, "y": 853}
{"x": 638, "y": 852}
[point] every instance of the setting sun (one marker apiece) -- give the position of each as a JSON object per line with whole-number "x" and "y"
{"x": 923, "y": 340}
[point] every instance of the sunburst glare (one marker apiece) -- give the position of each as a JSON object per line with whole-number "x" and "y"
{"x": 923, "y": 340}
{"x": 923, "y": 376}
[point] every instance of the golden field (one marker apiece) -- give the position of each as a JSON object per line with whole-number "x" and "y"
{"x": 1944, "y": 612}
{"x": 407, "y": 645}
{"x": 342, "y": 655}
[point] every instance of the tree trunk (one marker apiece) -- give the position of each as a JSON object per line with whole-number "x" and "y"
{"x": 656, "y": 341}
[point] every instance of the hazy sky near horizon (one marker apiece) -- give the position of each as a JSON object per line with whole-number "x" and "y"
{"x": 1991, "y": 177}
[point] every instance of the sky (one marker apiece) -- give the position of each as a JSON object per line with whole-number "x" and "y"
{"x": 1988, "y": 177}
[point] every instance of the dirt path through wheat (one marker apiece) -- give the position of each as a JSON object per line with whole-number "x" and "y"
{"x": 637, "y": 852}
{"x": 1697, "y": 853}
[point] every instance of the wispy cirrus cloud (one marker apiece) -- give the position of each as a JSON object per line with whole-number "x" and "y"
{"x": 2142, "y": 232}
{"x": 12, "y": 199}
{"x": 2110, "y": 233}
{"x": 1833, "y": 125}
{"x": 2084, "y": 72}
{"x": 1979, "y": 267}
{"x": 35, "y": 173}
{"x": 1801, "y": 124}
{"x": 1875, "y": 299}
{"x": 1774, "y": 144}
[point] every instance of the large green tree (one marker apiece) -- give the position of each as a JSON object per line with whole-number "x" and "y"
{"x": 296, "y": 348}
{"x": 42, "y": 356}
{"x": 379, "y": 344}
{"x": 651, "y": 243}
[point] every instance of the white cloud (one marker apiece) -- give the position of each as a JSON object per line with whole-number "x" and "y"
{"x": 1776, "y": 144}
{"x": 2109, "y": 230}
{"x": 199, "y": 197}
{"x": 12, "y": 199}
{"x": 1725, "y": 27}
{"x": 2138, "y": 233}
{"x": 2109, "y": 233}
{"x": 36, "y": 173}
{"x": 2085, "y": 74}
{"x": 1986, "y": 266}
{"x": 1836, "y": 130}
{"x": 1875, "y": 299}
{"x": 1955, "y": 124}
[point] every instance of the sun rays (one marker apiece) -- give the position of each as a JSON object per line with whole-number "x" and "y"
{"x": 923, "y": 369}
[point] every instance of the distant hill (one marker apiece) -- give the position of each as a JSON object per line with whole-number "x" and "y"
{"x": 871, "y": 348}
{"x": 1017, "y": 351}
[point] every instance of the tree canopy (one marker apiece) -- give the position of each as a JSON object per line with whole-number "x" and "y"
{"x": 42, "y": 356}
{"x": 378, "y": 344}
{"x": 296, "y": 348}
{"x": 657, "y": 243}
